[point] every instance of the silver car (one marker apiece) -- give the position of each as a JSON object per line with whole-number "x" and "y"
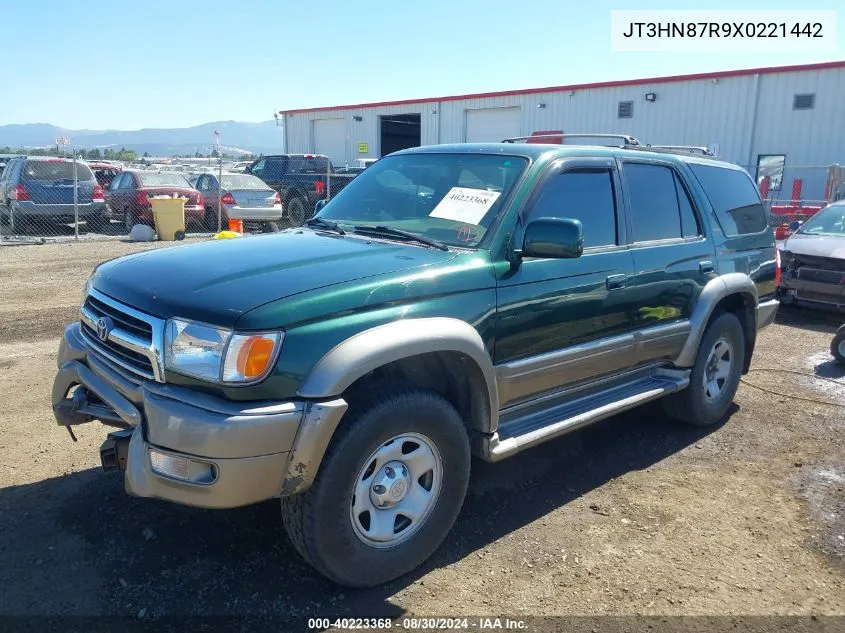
{"x": 244, "y": 197}
{"x": 813, "y": 261}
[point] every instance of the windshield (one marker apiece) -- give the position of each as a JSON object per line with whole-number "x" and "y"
{"x": 452, "y": 198}
{"x": 828, "y": 221}
{"x": 243, "y": 182}
{"x": 162, "y": 180}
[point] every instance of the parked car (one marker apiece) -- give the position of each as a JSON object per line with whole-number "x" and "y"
{"x": 240, "y": 166}
{"x": 813, "y": 261}
{"x": 104, "y": 172}
{"x": 128, "y": 197}
{"x": 452, "y": 300}
{"x": 244, "y": 197}
{"x": 301, "y": 180}
{"x": 38, "y": 188}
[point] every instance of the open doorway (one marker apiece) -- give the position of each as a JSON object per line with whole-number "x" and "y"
{"x": 399, "y": 131}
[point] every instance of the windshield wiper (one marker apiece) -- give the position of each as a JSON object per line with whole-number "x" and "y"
{"x": 389, "y": 231}
{"x": 322, "y": 223}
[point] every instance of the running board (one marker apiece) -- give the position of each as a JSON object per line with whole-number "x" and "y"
{"x": 574, "y": 411}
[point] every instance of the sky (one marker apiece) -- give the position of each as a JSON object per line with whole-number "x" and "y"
{"x": 176, "y": 63}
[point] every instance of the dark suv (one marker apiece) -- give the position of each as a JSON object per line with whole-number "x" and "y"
{"x": 452, "y": 300}
{"x": 41, "y": 189}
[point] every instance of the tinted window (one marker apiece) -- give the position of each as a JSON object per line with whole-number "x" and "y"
{"x": 585, "y": 195}
{"x": 689, "y": 221}
{"x": 308, "y": 165}
{"x": 734, "y": 198}
{"x": 127, "y": 182}
{"x": 55, "y": 170}
{"x": 655, "y": 214}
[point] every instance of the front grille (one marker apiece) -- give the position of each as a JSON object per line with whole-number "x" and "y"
{"x": 835, "y": 277}
{"x": 824, "y": 263}
{"x": 138, "y": 363}
{"x": 132, "y": 338}
{"x": 139, "y": 328}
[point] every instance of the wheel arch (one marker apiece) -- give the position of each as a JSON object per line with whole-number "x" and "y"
{"x": 443, "y": 354}
{"x": 732, "y": 292}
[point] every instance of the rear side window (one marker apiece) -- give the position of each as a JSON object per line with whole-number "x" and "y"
{"x": 655, "y": 208}
{"x": 585, "y": 195}
{"x": 734, "y": 198}
{"x": 308, "y": 165}
{"x": 50, "y": 170}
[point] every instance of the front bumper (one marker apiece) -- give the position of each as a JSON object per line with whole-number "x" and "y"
{"x": 247, "y": 444}
{"x": 813, "y": 293}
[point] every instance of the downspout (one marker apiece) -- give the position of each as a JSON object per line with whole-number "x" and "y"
{"x": 753, "y": 126}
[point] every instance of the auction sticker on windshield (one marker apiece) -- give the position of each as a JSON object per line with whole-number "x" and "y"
{"x": 465, "y": 205}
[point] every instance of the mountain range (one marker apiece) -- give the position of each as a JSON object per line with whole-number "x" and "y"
{"x": 235, "y": 138}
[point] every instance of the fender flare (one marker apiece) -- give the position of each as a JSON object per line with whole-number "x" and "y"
{"x": 357, "y": 356}
{"x": 362, "y": 353}
{"x": 714, "y": 291}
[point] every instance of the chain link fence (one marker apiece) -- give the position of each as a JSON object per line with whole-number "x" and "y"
{"x": 56, "y": 198}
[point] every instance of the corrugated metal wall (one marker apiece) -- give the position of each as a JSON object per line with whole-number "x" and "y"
{"x": 742, "y": 115}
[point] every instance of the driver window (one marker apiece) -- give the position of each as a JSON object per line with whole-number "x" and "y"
{"x": 585, "y": 195}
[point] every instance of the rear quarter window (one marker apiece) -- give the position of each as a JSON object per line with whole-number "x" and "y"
{"x": 734, "y": 199}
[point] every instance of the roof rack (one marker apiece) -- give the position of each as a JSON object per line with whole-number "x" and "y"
{"x": 684, "y": 149}
{"x": 626, "y": 139}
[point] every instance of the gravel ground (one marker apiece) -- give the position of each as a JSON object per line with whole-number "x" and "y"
{"x": 636, "y": 515}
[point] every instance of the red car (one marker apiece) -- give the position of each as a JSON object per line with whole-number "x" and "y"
{"x": 128, "y": 197}
{"x": 104, "y": 173}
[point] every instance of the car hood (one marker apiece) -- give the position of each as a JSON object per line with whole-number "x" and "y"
{"x": 217, "y": 281}
{"x": 816, "y": 245}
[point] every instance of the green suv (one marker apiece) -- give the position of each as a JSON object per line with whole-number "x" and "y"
{"x": 451, "y": 301}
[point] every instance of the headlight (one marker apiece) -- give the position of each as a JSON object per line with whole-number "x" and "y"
{"x": 218, "y": 355}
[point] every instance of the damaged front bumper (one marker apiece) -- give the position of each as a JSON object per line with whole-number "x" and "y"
{"x": 180, "y": 444}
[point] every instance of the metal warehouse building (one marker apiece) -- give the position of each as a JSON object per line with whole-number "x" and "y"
{"x": 761, "y": 118}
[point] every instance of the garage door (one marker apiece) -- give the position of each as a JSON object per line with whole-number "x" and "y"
{"x": 491, "y": 125}
{"x": 330, "y": 139}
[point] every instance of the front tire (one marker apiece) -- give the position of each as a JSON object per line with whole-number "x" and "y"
{"x": 388, "y": 490}
{"x": 837, "y": 346}
{"x": 715, "y": 375}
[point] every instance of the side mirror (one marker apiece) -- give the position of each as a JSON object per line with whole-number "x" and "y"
{"x": 553, "y": 237}
{"x": 320, "y": 204}
{"x": 795, "y": 225}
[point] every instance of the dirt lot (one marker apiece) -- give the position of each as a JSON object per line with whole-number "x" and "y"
{"x": 636, "y": 515}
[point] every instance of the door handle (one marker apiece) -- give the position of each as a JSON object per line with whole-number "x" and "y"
{"x": 706, "y": 267}
{"x": 614, "y": 282}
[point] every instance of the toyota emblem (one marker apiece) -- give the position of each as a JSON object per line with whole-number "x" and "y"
{"x": 104, "y": 326}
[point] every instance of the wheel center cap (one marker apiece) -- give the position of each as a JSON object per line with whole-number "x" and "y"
{"x": 390, "y": 485}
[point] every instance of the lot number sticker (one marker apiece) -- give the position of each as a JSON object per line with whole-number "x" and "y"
{"x": 465, "y": 205}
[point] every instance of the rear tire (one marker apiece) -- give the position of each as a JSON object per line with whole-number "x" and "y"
{"x": 715, "y": 375}
{"x": 363, "y": 540}
{"x": 837, "y": 346}
{"x": 270, "y": 227}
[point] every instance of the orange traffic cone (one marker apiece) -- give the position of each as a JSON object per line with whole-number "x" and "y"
{"x": 236, "y": 225}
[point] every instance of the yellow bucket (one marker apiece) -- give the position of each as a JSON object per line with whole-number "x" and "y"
{"x": 169, "y": 215}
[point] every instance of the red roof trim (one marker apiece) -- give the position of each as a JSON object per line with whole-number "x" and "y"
{"x": 603, "y": 84}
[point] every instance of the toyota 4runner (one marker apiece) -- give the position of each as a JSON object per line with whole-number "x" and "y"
{"x": 451, "y": 301}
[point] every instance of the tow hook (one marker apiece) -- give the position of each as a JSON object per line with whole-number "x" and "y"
{"x": 114, "y": 451}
